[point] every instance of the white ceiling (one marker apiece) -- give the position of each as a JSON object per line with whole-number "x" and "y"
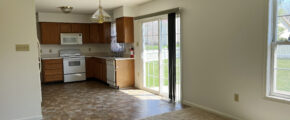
{"x": 84, "y": 6}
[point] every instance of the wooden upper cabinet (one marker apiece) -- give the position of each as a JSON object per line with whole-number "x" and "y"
{"x": 65, "y": 28}
{"x": 50, "y": 33}
{"x": 105, "y": 32}
{"x": 94, "y": 33}
{"x": 100, "y": 33}
{"x": 125, "y": 30}
{"x": 82, "y": 28}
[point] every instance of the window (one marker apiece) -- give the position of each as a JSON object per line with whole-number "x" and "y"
{"x": 279, "y": 83}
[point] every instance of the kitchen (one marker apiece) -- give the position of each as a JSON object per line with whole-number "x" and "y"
{"x": 87, "y": 48}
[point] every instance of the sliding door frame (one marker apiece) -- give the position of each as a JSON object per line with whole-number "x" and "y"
{"x": 139, "y": 44}
{"x": 156, "y": 18}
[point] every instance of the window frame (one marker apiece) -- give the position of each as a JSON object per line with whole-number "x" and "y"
{"x": 272, "y": 44}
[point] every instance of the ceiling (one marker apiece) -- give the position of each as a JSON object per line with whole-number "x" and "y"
{"x": 84, "y": 6}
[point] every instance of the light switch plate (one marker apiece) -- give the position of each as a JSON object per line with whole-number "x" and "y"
{"x": 22, "y": 47}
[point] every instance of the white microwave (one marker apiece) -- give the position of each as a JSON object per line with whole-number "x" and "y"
{"x": 71, "y": 38}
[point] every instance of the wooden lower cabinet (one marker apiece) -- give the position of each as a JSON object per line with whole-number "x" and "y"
{"x": 125, "y": 73}
{"x": 90, "y": 67}
{"x": 52, "y": 70}
{"x": 96, "y": 68}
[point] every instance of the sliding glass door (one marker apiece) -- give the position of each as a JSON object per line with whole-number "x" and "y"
{"x": 155, "y": 55}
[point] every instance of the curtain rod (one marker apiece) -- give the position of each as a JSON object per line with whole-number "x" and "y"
{"x": 174, "y": 10}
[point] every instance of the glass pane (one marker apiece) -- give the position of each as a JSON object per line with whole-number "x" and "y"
{"x": 283, "y": 7}
{"x": 164, "y": 27}
{"x": 150, "y": 28}
{"x": 145, "y": 29}
{"x": 164, "y": 58}
{"x": 283, "y": 28}
{"x": 151, "y": 55}
{"x": 282, "y": 67}
{"x": 155, "y": 28}
{"x": 74, "y": 63}
{"x": 283, "y": 80}
{"x": 178, "y": 62}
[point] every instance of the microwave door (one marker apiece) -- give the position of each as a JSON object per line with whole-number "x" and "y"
{"x": 71, "y": 39}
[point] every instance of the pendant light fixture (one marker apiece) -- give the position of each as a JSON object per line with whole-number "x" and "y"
{"x": 100, "y": 16}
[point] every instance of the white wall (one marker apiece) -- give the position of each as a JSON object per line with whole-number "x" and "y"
{"x": 62, "y": 17}
{"x": 20, "y": 90}
{"x": 224, "y": 52}
{"x": 124, "y": 11}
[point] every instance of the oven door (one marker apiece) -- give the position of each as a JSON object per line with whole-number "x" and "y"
{"x": 74, "y": 65}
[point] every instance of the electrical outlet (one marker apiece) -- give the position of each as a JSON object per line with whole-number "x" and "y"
{"x": 90, "y": 49}
{"x": 237, "y": 97}
{"x": 50, "y": 50}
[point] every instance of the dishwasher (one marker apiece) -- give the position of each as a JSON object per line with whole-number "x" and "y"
{"x": 111, "y": 73}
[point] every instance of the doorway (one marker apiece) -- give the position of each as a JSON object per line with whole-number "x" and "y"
{"x": 156, "y": 56}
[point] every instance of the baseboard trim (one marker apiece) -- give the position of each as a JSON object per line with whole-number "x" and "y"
{"x": 185, "y": 102}
{"x": 37, "y": 117}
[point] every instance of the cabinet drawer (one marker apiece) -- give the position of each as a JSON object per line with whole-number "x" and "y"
{"x": 53, "y": 72}
{"x": 55, "y": 61}
{"x": 52, "y": 66}
{"x": 53, "y": 78}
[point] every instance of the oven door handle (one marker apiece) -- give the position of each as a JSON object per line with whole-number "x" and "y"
{"x": 70, "y": 59}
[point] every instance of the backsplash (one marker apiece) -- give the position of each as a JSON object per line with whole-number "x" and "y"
{"x": 104, "y": 49}
{"x": 86, "y": 48}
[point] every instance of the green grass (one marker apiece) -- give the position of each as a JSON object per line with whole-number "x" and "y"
{"x": 154, "y": 82}
{"x": 283, "y": 76}
{"x": 152, "y": 47}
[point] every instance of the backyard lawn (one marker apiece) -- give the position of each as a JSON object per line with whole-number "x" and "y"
{"x": 283, "y": 76}
{"x": 153, "y": 79}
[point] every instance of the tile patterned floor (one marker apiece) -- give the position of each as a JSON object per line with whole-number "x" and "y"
{"x": 191, "y": 113}
{"x": 92, "y": 100}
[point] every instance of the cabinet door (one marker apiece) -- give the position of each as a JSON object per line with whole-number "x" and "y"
{"x": 94, "y": 33}
{"x": 120, "y": 30}
{"x": 125, "y": 75}
{"x": 50, "y": 33}
{"x": 125, "y": 30}
{"x": 105, "y": 30}
{"x": 52, "y": 70}
{"x": 97, "y": 68}
{"x": 104, "y": 71}
{"x": 65, "y": 28}
{"x": 90, "y": 67}
{"x": 84, "y": 29}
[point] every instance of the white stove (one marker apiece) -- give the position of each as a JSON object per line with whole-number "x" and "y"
{"x": 74, "y": 65}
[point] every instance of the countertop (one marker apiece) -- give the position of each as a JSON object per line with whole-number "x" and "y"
{"x": 56, "y": 56}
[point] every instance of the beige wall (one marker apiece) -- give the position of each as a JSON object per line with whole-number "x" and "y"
{"x": 124, "y": 11}
{"x": 62, "y": 17}
{"x": 20, "y": 90}
{"x": 224, "y": 52}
